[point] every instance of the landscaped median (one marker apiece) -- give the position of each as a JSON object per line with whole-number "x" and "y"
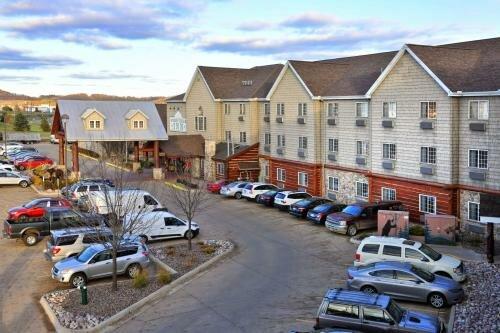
{"x": 173, "y": 266}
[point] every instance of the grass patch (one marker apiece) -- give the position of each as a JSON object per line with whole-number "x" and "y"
{"x": 164, "y": 277}
{"x": 140, "y": 280}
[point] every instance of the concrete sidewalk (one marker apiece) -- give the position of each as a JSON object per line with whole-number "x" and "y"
{"x": 463, "y": 253}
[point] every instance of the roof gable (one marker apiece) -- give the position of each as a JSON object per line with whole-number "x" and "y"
{"x": 132, "y": 112}
{"x": 90, "y": 111}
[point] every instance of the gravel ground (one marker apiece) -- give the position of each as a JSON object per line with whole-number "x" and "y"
{"x": 480, "y": 312}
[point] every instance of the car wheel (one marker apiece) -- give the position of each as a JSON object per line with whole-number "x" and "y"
{"x": 237, "y": 195}
{"x": 23, "y": 183}
{"x": 144, "y": 239}
{"x": 369, "y": 290}
{"x": 133, "y": 270}
{"x": 77, "y": 280}
{"x": 352, "y": 230}
{"x": 437, "y": 300}
{"x": 189, "y": 234}
{"x": 30, "y": 239}
{"x": 257, "y": 197}
{"x": 443, "y": 274}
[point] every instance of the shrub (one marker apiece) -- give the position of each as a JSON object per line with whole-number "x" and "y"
{"x": 416, "y": 230}
{"x": 207, "y": 249}
{"x": 170, "y": 251}
{"x": 164, "y": 277}
{"x": 140, "y": 280}
{"x": 189, "y": 261}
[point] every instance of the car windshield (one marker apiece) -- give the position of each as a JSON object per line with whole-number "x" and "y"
{"x": 304, "y": 202}
{"x": 427, "y": 276}
{"x": 271, "y": 192}
{"x": 280, "y": 196}
{"x": 430, "y": 252}
{"x": 322, "y": 208}
{"x": 86, "y": 254}
{"x": 31, "y": 204}
{"x": 395, "y": 311}
{"x": 353, "y": 210}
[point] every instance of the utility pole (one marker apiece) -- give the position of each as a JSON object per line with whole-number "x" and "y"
{"x": 65, "y": 119}
{"x": 5, "y": 131}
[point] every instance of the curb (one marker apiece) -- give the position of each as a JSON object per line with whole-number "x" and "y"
{"x": 105, "y": 326}
{"x": 451, "y": 320}
{"x": 163, "y": 265}
{"x": 44, "y": 193}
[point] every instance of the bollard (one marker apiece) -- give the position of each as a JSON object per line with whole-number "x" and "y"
{"x": 83, "y": 292}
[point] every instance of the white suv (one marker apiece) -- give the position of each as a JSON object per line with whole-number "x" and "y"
{"x": 285, "y": 199}
{"x": 376, "y": 248}
{"x": 254, "y": 190}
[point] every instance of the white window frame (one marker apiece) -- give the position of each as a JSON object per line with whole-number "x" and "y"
{"x": 434, "y": 208}
{"x": 428, "y": 108}
{"x": 280, "y": 109}
{"x": 221, "y": 169}
{"x": 333, "y": 145}
{"x": 302, "y": 178}
{"x": 92, "y": 124}
{"x": 361, "y": 195}
{"x": 203, "y": 123}
{"x": 469, "y": 211}
{"x": 281, "y": 140}
{"x": 243, "y": 137}
{"x": 428, "y": 155}
{"x": 267, "y": 109}
{"x": 333, "y": 184}
{"x": 389, "y": 146}
{"x": 267, "y": 138}
{"x": 364, "y": 148}
{"x": 302, "y": 109}
{"x": 479, "y": 101}
{"x": 141, "y": 124}
{"x": 303, "y": 142}
{"x": 266, "y": 171}
{"x": 243, "y": 109}
{"x": 391, "y": 111}
{"x": 229, "y": 136}
{"x": 478, "y": 161}
{"x": 332, "y": 110}
{"x": 387, "y": 190}
{"x": 360, "y": 113}
{"x": 280, "y": 174}
{"x": 227, "y": 109}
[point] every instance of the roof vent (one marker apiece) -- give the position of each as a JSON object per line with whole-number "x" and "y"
{"x": 246, "y": 82}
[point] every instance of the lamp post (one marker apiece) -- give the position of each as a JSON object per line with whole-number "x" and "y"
{"x": 5, "y": 131}
{"x": 65, "y": 119}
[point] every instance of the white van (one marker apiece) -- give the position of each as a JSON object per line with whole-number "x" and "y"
{"x": 123, "y": 201}
{"x": 377, "y": 248}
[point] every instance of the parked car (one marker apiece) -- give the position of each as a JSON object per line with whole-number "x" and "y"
{"x": 10, "y": 145}
{"x": 22, "y": 155}
{"x": 96, "y": 262}
{"x": 14, "y": 178}
{"x": 252, "y": 191}
{"x": 124, "y": 200}
{"x": 375, "y": 248}
{"x": 65, "y": 243}
{"x": 32, "y": 229}
{"x": 405, "y": 281}
{"x": 319, "y": 213}
{"x": 54, "y": 139}
{"x": 33, "y": 162}
{"x": 359, "y": 216}
{"x": 359, "y": 311}
{"x": 36, "y": 208}
{"x": 84, "y": 188}
{"x": 161, "y": 225}
{"x": 6, "y": 162}
{"x": 216, "y": 186}
{"x": 7, "y": 167}
{"x": 267, "y": 198}
{"x": 233, "y": 190}
{"x": 284, "y": 199}
{"x": 105, "y": 181}
{"x": 300, "y": 208}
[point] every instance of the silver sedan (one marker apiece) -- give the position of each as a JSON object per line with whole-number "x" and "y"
{"x": 405, "y": 281}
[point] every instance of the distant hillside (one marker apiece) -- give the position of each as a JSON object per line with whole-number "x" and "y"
{"x": 5, "y": 95}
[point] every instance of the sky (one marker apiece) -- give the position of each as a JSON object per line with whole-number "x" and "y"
{"x": 152, "y": 48}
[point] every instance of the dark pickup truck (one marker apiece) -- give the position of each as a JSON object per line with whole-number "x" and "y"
{"x": 30, "y": 230}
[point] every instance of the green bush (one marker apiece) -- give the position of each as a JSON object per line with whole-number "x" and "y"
{"x": 164, "y": 277}
{"x": 140, "y": 280}
{"x": 21, "y": 123}
{"x": 44, "y": 124}
{"x": 416, "y": 230}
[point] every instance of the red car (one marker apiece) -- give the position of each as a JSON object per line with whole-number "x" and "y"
{"x": 215, "y": 186}
{"x": 36, "y": 208}
{"x": 33, "y": 162}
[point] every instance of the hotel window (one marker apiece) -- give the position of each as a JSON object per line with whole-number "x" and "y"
{"x": 280, "y": 174}
{"x": 478, "y": 159}
{"x": 227, "y": 109}
{"x": 362, "y": 147}
{"x": 333, "y": 145}
{"x": 266, "y": 171}
{"x": 303, "y": 178}
{"x": 267, "y": 138}
{"x": 220, "y": 168}
{"x": 200, "y": 123}
{"x": 428, "y": 155}
{"x": 243, "y": 137}
{"x": 243, "y": 109}
{"x": 302, "y": 142}
{"x": 280, "y": 109}
{"x": 302, "y": 109}
{"x": 267, "y": 109}
{"x": 389, "y": 151}
{"x": 388, "y": 194}
{"x": 362, "y": 109}
{"x": 333, "y": 184}
{"x": 228, "y": 136}
{"x": 473, "y": 211}
{"x": 362, "y": 189}
{"x": 428, "y": 110}
{"x": 427, "y": 203}
{"x": 389, "y": 110}
{"x": 281, "y": 140}
{"x": 479, "y": 110}
{"x": 332, "y": 110}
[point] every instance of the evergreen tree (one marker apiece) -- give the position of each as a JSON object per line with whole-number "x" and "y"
{"x": 21, "y": 122}
{"x": 44, "y": 124}
{"x": 7, "y": 108}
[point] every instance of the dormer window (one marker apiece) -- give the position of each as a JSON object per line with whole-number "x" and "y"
{"x": 93, "y": 119}
{"x": 138, "y": 124}
{"x": 137, "y": 119}
{"x": 94, "y": 124}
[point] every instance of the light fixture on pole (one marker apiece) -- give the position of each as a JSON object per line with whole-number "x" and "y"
{"x": 64, "y": 119}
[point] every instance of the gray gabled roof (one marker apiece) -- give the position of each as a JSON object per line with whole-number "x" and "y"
{"x": 115, "y": 123}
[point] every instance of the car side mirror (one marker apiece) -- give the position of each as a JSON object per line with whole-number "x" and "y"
{"x": 391, "y": 322}
{"x": 92, "y": 261}
{"x": 424, "y": 259}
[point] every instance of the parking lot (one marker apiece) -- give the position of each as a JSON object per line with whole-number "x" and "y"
{"x": 274, "y": 282}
